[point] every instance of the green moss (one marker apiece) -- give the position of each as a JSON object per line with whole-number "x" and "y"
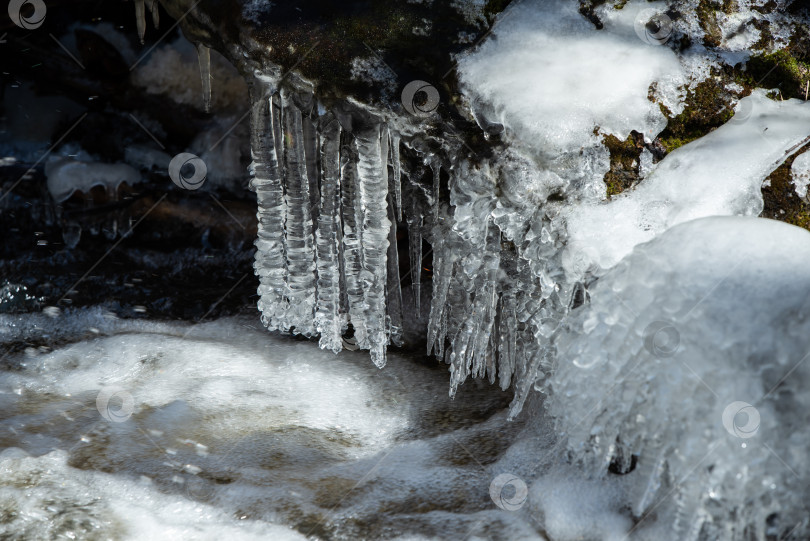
{"x": 707, "y": 18}
{"x": 730, "y": 7}
{"x": 781, "y": 70}
{"x": 781, "y": 201}
{"x": 707, "y": 107}
{"x": 765, "y": 41}
{"x": 624, "y": 161}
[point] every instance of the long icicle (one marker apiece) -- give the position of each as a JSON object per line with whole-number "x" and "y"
{"x": 140, "y": 18}
{"x": 153, "y": 7}
{"x": 352, "y": 260}
{"x": 436, "y": 167}
{"x": 266, "y": 182}
{"x": 204, "y": 56}
{"x": 298, "y": 221}
{"x": 312, "y": 151}
{"x": 394, "y": 288}
{"x": 415, "y": 222}
{"x": 396, "y": 167}
{"x": 443, "y": 262}
{"x": 376, "y": 227}
{"x": 327, "y": 318}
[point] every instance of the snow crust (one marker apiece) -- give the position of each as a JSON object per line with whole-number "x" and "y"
{"x": 551, "y": 78}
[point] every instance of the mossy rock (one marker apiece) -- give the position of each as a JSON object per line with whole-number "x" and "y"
{"x": 781, "y": 69}
{"x": 322, "y": 39}
{"x": 781, "y": 201}
{"x": 625, "y": 157}
{"x": 708, "y": 106}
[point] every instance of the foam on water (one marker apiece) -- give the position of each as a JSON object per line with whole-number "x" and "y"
{"x": 154, "y": 430}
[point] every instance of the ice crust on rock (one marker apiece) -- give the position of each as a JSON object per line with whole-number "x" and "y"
{"x": 551, "y": 78}
{"x": 800, "y": 171}
{"x": 711, "y": 313}
{"x": 719, "y": 174}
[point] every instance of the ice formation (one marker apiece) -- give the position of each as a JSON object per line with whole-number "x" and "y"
{"x": 691, "y": 358}
{"x": 800, "y": 170}
{"x": 515, "y": 239}
{"x": 66, "y": 176}
{"x": 520, "y": 240}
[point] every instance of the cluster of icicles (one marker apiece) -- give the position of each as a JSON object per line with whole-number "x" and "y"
{"x": 330, "y": 189}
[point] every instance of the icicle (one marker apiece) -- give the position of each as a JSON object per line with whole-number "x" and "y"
{"x": 507, "y": 338}
{"x": 153, "y": 7}
{"x": 415, "y": 252}
{"x": 140, "y": 18}
{"x": 327, "y": 318}
{"x": 298, "y": 227}
{"x": 394, "y": 288}
{"x": 266, "y": 182}
{"x": 384, "y": 146}
{"x": 471, "y": 343}
{"x": 650, "y": 472}
{"x": 373, "y": 195}
{"x": 486, "y": 300}
{"x": 351, "y": 209}
{"x": 312, "y": 153}
{"x": 437, "y": 175}
{"x": 396, "y": 179}
{"x": 443, "y": 260}
{"x": 204, "y": 56}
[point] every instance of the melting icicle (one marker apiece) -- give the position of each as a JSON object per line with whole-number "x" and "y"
{"x": 140, "y": 18}
{"x": 298, "y": 226}
{"x": 374, "y": 197}
{"x": 328, "y": 321}
{"x": 204, "y": 56}
{"x": 266, "y": 182}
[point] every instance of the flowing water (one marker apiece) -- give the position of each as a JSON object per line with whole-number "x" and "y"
{"x": 221, "y": 430}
